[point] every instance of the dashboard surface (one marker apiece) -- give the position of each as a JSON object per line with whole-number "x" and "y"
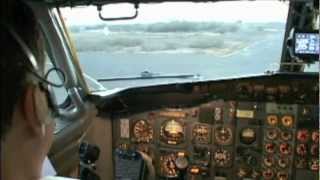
{"x": 258, "y": 127}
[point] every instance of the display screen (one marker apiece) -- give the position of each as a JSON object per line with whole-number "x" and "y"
{"x": 307, "y": 43}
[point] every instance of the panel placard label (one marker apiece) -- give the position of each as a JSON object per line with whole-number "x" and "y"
{"x": 245, "y": 114}
{"x": 124, "y": 128}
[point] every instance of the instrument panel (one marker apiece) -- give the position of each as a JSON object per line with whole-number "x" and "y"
{"x": 226, "y": 138}
{"x": 259, "y": 141}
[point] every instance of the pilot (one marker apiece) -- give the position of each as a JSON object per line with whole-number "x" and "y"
{"x": 27, "y": 125}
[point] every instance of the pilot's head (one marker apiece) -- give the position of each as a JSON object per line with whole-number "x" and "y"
{"x": 26, "y": 122}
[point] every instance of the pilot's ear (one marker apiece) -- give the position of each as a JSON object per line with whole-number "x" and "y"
{"x": 35, "y": 109}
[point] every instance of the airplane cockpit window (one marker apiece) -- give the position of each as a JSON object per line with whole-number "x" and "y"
{"x": 178, "y": 42}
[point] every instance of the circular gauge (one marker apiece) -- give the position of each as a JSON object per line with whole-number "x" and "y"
{"x": 287, "y": 121}
{"x": 286, "y": 135}
{"x": 268, "y": 161}
{"x": 301, "y": 149}
{"x": 223, "y": 135}
{"x": 272, "y": 120}
{"x": 285, "y": 148}
{"x": 271, "y": 133}
{"x": 270, "y": 147}
{"x": 268, "y": 173}
{"x": 283, "y": 162}
{"x": 172, "y": 132}
{"x": 142, "y": 131}
{"x": 221, "y": 157}
{"x": 201, "y": 134}
{"x": 167, "y": 165}
{"x": 303, "y": 135}
{"x": 247, "y": 136}
{"x": 314, "y": 164}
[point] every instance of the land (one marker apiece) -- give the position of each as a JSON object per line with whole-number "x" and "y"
{"x": 217, "y": 38}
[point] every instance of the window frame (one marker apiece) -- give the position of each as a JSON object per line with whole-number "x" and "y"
{"x": 73, "y": 108}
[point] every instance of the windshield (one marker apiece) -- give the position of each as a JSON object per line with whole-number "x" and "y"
{"x": 178, "y": 42}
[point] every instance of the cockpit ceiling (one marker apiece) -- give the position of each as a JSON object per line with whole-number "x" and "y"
{"x": 72, "y": 3}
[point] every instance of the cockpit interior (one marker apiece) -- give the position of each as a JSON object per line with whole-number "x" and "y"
{"x": 237, "y": 127}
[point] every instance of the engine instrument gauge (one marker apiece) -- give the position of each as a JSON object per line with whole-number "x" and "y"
{"x": 221, "y": 157}
{"x": 269, "y": 147}
{"x": 172, "y": 132}
{"x": 268, "y": 161}
{"x": 286, "y": 135}
{"x": 285, "y": 148}
{"x": 267, "y": 173}
{"x": 142, "y": 131}
{"x": 287, "y": 121}
{"x": 201, "y": 134}
{"x": 272, "y": 120}
{"x": 223, "y": 135}
{"x": 272, "y": 133}
{"x": 283, "y": 162}
{"x": 302, "y": 149}
{"x": 314, "y": 164}
{"x": 303, "y": 135}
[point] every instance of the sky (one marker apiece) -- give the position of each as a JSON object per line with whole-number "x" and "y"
{"x": 246, "y": 11}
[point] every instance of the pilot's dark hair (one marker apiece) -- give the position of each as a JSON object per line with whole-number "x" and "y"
{"x": 13, "y": 61}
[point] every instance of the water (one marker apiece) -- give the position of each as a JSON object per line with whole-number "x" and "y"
{"x": 256, "y": 59}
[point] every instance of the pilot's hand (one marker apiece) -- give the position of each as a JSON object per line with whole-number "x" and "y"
{"x": 148, "y": 160}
